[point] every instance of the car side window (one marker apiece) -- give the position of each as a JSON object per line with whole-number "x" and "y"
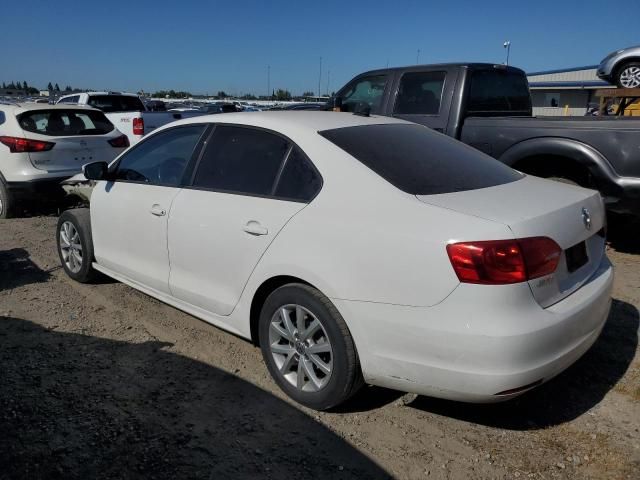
{"x": 367, "y": 90}
{"x": 420, "y": 93}
{"x": 299, "y": 179}
{"x": 241, "y": 160}
{"x": 160, "y": 159}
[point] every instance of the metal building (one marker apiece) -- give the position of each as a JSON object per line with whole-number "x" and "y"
{"x": 567, "y": 91}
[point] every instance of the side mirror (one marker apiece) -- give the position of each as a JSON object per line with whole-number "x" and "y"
{"x": 96, "y": 170}
{"x": 335, "y": 104}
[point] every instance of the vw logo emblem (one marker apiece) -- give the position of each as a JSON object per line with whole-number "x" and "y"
{"x": 586, "y": 218}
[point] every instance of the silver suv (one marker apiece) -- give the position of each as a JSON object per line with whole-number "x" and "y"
{"x": 622, "y": 68}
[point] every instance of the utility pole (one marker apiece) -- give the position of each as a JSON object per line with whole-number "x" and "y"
{"x": 268, "y": 80}
{"x": 320, "y": 78}
{"x": 418, "y": 57}
{"x": 328, "y": 80}
{"x": 507, "y": 45}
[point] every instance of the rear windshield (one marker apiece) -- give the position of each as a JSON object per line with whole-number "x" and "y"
{"x": 61, "y": 123}
{"x": 419, "y": 161}
{"x": 498, "y": 91}
{"x": 116, "y": 103}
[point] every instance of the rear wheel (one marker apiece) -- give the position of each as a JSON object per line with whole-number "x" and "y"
{"x": 75, "y": 245}
{"x": 6, "y": 201}
{"x": 307, "y": 347}
{"x": 628, "y": 76}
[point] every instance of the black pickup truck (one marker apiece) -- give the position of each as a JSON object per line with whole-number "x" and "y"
{"x": 489, "y": 107}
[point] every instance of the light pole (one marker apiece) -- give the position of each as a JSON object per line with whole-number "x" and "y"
{"x": 328, "y": 80}
{"x": 268, "y": 80}
{"x": 418, "y": 57}
{"x": 320, "y": 78}
{"x": 507, "y": 45}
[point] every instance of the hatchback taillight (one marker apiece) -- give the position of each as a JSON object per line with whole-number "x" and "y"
{"x": 497, "y": 262}
{"x": 119, "y": 142}
{"x": 138, "y": 126}
{"x": 19, "y": 145}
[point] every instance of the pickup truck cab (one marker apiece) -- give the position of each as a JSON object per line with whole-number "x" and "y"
{"x": 489, "y": 108}
{"x": 126, "y": 111}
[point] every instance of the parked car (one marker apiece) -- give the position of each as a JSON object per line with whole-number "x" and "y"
{"x": 353, "y": 249}
{"x": 214, "y": 108}
{"x": 126, "y": 111}
{"x": 489, "y": 107}
{"x": 621, "y": 68}
{"x": 41, "y": 144}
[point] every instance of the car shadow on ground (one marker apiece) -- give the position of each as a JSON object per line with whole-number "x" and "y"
{"x": 17, "y": 269}
{"x": 78, "y": 406}
{"x": 570, "y": 394}
{"x": 623, "y": 233}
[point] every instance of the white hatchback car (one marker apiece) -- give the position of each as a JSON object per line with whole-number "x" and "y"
{"x": 41, "y": 145}
{"x": 353, "y": 249}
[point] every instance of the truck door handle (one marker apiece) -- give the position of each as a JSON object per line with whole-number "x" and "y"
{"x": 157, "y": 210}
{"x": 254, "y": 228}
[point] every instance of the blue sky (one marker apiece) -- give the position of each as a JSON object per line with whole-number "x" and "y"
{"x": 206, "y": 46}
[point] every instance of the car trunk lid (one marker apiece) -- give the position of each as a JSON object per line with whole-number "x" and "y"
{"x": 573, "y": 217}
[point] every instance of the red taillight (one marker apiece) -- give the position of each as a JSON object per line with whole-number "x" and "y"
{"x": 119, "y": 142}
{"x": 496, "y": 262}
{"x": 138, "y": 126}
{"x": 19, "y": 145}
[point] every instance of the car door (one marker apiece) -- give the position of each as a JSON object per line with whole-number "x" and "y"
{"x": 424, "y": 97}
{"x": 129, "y": 214}
{"x": 247, "y": 185}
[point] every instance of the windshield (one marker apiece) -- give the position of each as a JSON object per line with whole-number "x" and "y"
{"x": 62, "y": 123}
{"x": 116, "y": 103}
{"x": 419, "y": 161}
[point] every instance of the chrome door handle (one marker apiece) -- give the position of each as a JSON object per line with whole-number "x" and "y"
{"x": 157, "y": 210}
{"x": 254, "y": 228}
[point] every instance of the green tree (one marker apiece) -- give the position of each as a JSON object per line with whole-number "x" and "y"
{"x": 57, "y": 88}
{"x": 50, "y": 87}
{"x": 4, "y": 85}
{"x": 222, "y": 94}
{"x": 308, "y": 93}
{"x": 282, "y": 95}
{"x": 68, "y": 88}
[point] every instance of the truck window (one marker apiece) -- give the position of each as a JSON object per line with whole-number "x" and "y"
{"x": 498, "y": 91}
{"x": 419, "y": 161}
{"x": 116, "y": 103}
{"x": 420, "y": 93}
{"x": 367, "y": 90}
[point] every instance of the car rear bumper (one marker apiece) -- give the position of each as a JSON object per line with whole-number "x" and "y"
{"x": 47, "y": 189}
{"x": 480, "y": 341}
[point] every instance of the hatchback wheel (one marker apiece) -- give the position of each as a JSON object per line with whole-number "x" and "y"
{"x": 629, "y": 76}
{"x": 6, "y": 203}
{"x": 75, "y": 245}
{"x": 308, "y": 348}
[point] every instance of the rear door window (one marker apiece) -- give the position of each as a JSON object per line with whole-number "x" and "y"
{"x": 160, "y": 159}
{"x": 116, "y": 103}
{"x": 419, "y": 161}
{"x": 60, "y": 122}
{"x": 241, "y": 160}
{"x": 420, "y": 93}
{"x": 367, "y": 90}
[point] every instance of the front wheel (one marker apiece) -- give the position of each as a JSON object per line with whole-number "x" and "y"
{"x": 75, "y": 245}
{"x": 629, "y": 76}
{"x": 307, "y": 347}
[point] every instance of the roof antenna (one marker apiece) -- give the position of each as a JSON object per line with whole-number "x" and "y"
{"x": 362, "y": 109}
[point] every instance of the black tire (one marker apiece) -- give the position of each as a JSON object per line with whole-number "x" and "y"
{"x": 7, "y": 206}
{"x": 345, "y": 378}
{"x": 621, "y": 69}
{"x": 81, "y": 221}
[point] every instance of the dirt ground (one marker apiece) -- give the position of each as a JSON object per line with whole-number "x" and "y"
{"x": 101, "y": 381}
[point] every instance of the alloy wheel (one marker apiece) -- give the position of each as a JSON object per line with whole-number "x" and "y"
{"x": 70, "y": 247}
{"x": 300, "y": 348}
{"x": 630, "y": 77}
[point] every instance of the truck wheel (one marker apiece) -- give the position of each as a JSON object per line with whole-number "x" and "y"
{"x": 308, "y": 348}
{"x": 628, "y": 76}
{"x": 75, "y": 245}
{"x": 6, "y": 201}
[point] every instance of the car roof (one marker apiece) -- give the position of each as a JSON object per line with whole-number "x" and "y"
{"x": 29, "y": 106}
{"x": 286, "y": 121}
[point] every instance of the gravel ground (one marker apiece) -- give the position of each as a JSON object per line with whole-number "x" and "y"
{"x": 101, "y": 381}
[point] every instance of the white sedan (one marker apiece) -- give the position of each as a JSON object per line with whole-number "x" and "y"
{"x": 353, "y": 250}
